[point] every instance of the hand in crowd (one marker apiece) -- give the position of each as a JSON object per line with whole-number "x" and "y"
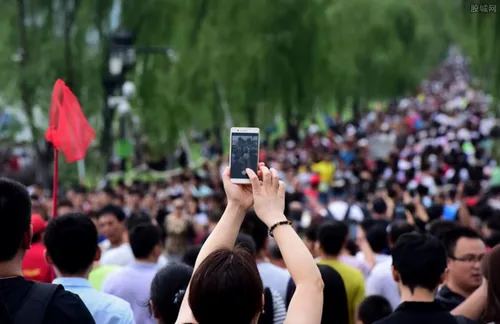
{"x": 360, "y": 236}
{"x": 406, "y": 198}
{"x": 268, "y": 195}
{"x": 240, "y": 195}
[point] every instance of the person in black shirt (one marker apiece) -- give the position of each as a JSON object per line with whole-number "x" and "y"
{"x": 419, "y": 262}
{"x": 334, "y": 295}
{"x": 466, "y": 250}
{"x": 21, "y": 300}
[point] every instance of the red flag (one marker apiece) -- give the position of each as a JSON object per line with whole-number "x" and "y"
{"x": 68, "y": 130}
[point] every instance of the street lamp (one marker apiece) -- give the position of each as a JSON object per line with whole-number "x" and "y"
{"x": 115, "y": 64}
{"x": 122, "y": 54}
{"x": 128, "y": 89}
{"x": 121, "y": 58}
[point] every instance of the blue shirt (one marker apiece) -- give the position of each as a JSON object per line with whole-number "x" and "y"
{"x": 133, "y": 284}
{"x": 105, "y": 308}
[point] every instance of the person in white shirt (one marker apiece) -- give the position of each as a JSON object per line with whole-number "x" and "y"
{"x": 380, "y": 281}
{"x": 338, "y": 208}
{"x": 116, "y": 249}
{"x": 341, "y": 211}
{"x": 133, "y": 282}
{"x": 376, "y": 236}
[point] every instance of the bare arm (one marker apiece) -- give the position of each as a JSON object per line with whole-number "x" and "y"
{"x": 365, "y": 247}
{"x": 306, "y": 305}
{"x": 420, "y": 210}
{"x": 224, "y": 234}
{"x": 464, "y": 214}
{"x": 463, "y": 211}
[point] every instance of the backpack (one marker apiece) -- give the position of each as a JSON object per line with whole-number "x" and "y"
{"x": 329, "y": 214}
{"x": 347, "y": 212}
{"x": 268, "y": 316}
{"x": 33, "y": 307}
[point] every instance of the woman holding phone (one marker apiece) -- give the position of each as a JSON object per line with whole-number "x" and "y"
{"x": 226, "y": 286}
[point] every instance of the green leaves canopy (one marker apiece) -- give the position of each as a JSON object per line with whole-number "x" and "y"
{"x": 262, "y": 58}
{"x": 281, "y": 56}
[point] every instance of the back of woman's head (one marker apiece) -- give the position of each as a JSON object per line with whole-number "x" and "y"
{"x": 167, "y": 291}
{"x": 491, "y": 268}
{"x": 226, "y": 288}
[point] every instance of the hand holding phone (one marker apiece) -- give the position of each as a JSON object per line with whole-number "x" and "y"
{"x": 238, "y": 195}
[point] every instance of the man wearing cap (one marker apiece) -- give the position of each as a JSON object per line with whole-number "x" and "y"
{"x": 34, "y": 265}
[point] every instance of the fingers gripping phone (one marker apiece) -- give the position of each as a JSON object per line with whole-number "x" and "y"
{"x": 244, "y": 153}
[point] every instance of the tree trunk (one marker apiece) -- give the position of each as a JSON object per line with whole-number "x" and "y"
{"x": 202, "y": 13}
{"x": 356, "y": 109}
{"x": 216, "y": 116}
{"x": 106, "y": 138}
{"x": 27, "y": 92}
{"x": 70, "y": 15}
{"x": 251, "y": 113}
{"x": 288, "y": 112}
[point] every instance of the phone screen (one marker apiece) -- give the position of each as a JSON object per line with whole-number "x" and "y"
{"x": 244, "y": 154}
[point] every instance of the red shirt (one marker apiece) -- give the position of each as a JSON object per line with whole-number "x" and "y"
{"x": 34, "y": 266}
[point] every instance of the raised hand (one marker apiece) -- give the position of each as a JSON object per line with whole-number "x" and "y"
{"x": 268, "y": 195}
{"x": 238, "y": 194}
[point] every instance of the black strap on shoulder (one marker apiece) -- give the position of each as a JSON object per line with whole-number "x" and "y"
{"x": 5, "y": 317}
{"x": 347, "y": 212}
{"x": 461, "y": 319}
{"x": 268, "y": 316}
{"x": 35, "y": 304}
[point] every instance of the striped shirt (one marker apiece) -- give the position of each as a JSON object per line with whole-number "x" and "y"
{"x": 279, "y": 308}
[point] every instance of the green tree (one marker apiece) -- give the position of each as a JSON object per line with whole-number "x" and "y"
{"x": 248, "y": 60}
{"x": 50, "y": 39}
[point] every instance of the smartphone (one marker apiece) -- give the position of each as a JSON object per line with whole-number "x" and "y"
{"x": 244, "y": 153}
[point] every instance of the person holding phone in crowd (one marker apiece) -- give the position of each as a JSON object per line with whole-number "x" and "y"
{"x": 226, "y": 286}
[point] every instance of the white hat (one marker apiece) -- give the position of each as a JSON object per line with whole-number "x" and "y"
{"x": 463, "y": 134}
{"x": 404, "y": 165}
{"x": 363, "y": 142}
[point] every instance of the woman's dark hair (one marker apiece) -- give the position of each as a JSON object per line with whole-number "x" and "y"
{"x": 334, "y": 295}
{"x": 168, "y": 289}
{"x": 374, "y": 308}
{"x": 226, "y": 288}
{"x": 491, "y": 267}
{"x": 191, "y": 255}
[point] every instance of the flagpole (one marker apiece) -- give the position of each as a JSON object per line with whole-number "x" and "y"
{"x": 81, "y": 171}
{"x": 56, "y": 178}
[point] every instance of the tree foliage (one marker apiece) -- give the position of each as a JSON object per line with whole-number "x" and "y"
{"x": 480, "y": 36}
{"x": 259, "y": 58}
{"x": 282, "y": 56}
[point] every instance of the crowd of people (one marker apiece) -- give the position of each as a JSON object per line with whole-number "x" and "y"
{"x": 389, "y": 218}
